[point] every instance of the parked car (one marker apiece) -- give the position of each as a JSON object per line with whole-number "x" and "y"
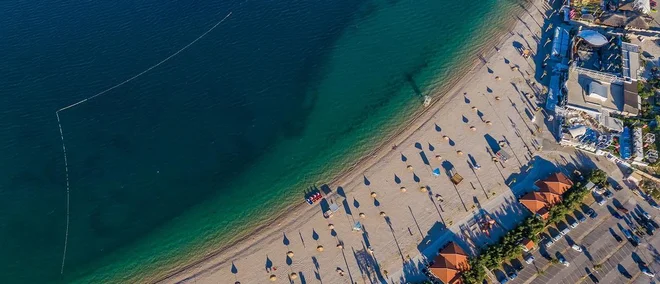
{"x": 645, "y": 269}
{"x": 617, "y": 238}
{"x": 512, "y": 275}
{"x": 622, "y": 209}
{"x": 615, "y": 185}
{"x": 557, "y": 237}
{"x": 592, "y": 214}
{"x": 608, "y": 194}
{"x": 548, "y": 243}
{"x": 581, "y": 218}
{"x": 654, "y": 205}
{"x": 563, "y": 260}
{"x": 565, "y": 231}
{"x": 601, "y": 200}
{"x": 649, "y": 228}
{"x": 645, "y": 215}
{"x": 573, "y": 223}
{"x": 654, "y": 223}
{"x": 529, "y": 258}
{"x": 576, "y": 248}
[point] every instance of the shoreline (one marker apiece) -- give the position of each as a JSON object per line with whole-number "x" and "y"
{"x": 395, "y": 136}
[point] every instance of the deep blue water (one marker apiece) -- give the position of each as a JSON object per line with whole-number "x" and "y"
{"x": 256, "y": 111}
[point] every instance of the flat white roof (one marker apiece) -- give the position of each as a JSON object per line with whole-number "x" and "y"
{"x": 630, "y": 58}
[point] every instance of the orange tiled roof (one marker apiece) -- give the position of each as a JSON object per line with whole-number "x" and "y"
{"x": 539, "y": 202}
{"x": 450, "y": 263}
{"x": 557, "y": 183}
{"x": 528, "y": 244}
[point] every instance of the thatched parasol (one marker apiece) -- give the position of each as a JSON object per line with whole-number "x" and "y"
{"x": 459, "y": 152}
{"x": 382, "y": 214}
{"x": 445, "y": 137}
{"x": 374, "y": 195}
{"x": 489, "y": 122}
{"x": 473, "y": 128}
{"x": 289, "y": 254}
{"x": 340, "y": 246}
{"x": 514, "y": 68}
{"x": 410, "y": 168}
{"x": 319, "y": 248}
{"x": 294, "y": 275}
{"x": 474, "y": 108}
{"x": 362, "y": 215}
{"x": 498, "y": 78}
{"x": 331, "y": 226}
{"x": 423, "y": 188}
{"x": 273, "y": 277}
{"x": 403, "y": 189}
{"x": 438, "y": 157}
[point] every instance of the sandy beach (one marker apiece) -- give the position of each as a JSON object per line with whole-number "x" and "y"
{"x": 401, "y": 228}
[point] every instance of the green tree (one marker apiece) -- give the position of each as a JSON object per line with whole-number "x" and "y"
{"x": 598, "y": 177}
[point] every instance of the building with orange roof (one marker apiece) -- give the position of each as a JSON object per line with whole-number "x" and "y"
{"x": 549, "y": 193}
{"x": 556, "y": 183}
{"x": 527, "y": 244}
{"x": 450, "y": 263}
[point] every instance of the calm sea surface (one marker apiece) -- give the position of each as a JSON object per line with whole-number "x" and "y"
{"x": 276, "y": 99}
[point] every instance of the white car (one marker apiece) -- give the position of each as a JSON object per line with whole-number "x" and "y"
{"x": 573, "y": 224}
{"x": 576, "y": 248}
{"x": 602, "y": 201}
{"x": 565, "y": 231}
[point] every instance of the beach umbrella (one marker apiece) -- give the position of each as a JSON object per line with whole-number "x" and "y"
{"x": 410, "y": 168}
{"x": 494, "y": 159}
{"x": 445, "y": 137}
{"x": 403, "y": 189}
{"x": 289, "y": 254}
{"x": 438, "y": 157}
{"x": 319, "y": 248}
{"x": 362, "y": 215}
{"x": 340, "y": 246}
{"x": 294, "y": 275}
{"x": 498, "y": 78}
{"x": 423, "y": 188}
{"x": 459, "y": 152}
{"x": 382, "y": 214}
{"x": 514, "y": 68}
{"x": 331, "y": 226}
{"x": 489, "y": 122}
{"x": 374, "y": 195}
{"x": 473, "y": 128}
{"x": 273, "y": 277}
{"x": 474, "y": 108}
{"x": 497, "y": 98}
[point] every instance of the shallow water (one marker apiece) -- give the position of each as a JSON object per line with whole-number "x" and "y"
{"x": 270, "y": 103}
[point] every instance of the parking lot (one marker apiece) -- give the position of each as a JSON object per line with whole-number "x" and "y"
{"x": 603, "y": 258}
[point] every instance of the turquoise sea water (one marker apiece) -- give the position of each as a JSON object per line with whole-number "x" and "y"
{"x": 277, "y": 99}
